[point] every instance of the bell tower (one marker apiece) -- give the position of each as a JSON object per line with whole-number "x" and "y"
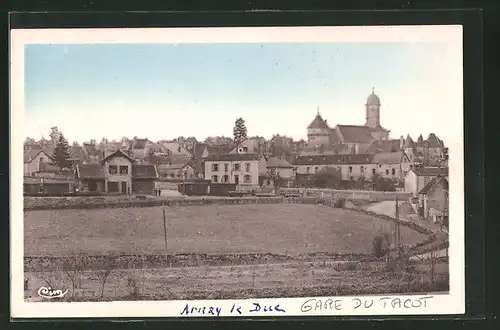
{"x": 372, "y": 108}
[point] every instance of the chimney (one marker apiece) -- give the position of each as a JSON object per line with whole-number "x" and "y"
{"x": 92, "y": 142}
{"x": 401, "y": 142}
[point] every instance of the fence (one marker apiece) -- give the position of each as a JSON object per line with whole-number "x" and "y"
{"x": 372, "y": 196}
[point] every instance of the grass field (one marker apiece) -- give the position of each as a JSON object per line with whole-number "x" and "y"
{"x": 275, "y": 228}
{"x": 244, "y": 281}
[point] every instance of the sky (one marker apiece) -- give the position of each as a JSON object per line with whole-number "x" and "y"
{"x": 163, "y": 91}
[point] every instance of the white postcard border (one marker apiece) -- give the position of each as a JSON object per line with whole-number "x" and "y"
{"x": 452, "y": 303}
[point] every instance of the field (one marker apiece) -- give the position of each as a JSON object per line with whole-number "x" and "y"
{"x": 289, "y": 229}
{"x": 213, "y": 251}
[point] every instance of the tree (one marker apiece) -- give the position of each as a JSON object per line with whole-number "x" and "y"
{"x": 327, "y": 177}
{"x": 239, "y": 131}
{"x": 61, "y": 154}
{"x": 54, "y": 134}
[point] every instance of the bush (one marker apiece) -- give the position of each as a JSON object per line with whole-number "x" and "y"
{"x": 339, "y": 203}
{"x": 380, "y": 245}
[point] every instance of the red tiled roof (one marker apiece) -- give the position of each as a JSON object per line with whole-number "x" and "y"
{"x": 388, "y": 157}
{"x": 430, "y": 171}
{"x": 29, "y": 155}
{"x": 384, "y": 146}
{"x": 409, "y": 144}
{"x": 144, "y": 171}
{"x": 233, "y": 157}
{"x": 334, "y": 159}
{"x": 355, "y": 134}
{"x": 278, "y": 162}
{"x": 433, "y": 182}
{"x": 90, "y": 171}
{"x": 77, "y": 152}
{"x": 118, "y": 153}
{"x": 318, "y": 122}
{"x": 334, "y": 138}
{"x": 433, "y": 141}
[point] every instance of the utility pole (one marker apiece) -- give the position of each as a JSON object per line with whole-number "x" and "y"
{"x": 165, "y": 231}
{"x": 397, "y": 235}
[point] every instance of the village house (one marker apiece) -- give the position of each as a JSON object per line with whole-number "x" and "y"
{"x": 390, "y": 165}
{"x": 32, "y": 160}
{"x": 433, "y": 199}
{"x": 118, "y": 173}
{"x": 242, "y": 169}
{"x": 176, "y": 169}
{"x": 418, "y": 176}
{"x": 277, "y": 167}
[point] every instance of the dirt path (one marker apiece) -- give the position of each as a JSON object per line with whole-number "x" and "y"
{"x": 405, "y": 214}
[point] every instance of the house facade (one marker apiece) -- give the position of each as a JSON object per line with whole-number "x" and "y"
{"x": 417, "y": 177}
{"x": 33, "y": 159}
{"x": 117, "y": 174}
{"x": 176, "y": 170}
{"x": 357, "y": 166}
{"x": 241, "y": 169}
{"x": 433, "y": 199}
{"x": 279, "y": 167}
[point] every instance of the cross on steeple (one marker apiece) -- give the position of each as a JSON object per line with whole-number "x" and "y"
{"x": 318, "y": 111}
{"x": 373, "y": 89}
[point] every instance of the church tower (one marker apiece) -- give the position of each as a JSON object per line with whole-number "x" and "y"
{"x": 318, "y": 132}
{"x": 372, "y": 110}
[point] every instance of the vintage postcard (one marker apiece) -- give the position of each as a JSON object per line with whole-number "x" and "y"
{"x": 237, "y": 172}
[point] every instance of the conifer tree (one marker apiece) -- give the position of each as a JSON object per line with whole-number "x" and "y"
{"x": 239, "y": 131}
{"x": 61, "y": 154}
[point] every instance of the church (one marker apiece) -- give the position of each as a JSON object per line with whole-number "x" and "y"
{"x": 348, "y": 139}
{"x": 370, "y": 138}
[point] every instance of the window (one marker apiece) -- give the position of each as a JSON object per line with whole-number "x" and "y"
{"x": 237, "y": 167}
{"x": 362, "y": 169}
{"x": 215, "y": 167}
{"x": 245, "y": 149}
{"x": 247, "y": 167}
{"x": 307, "y": 170}
{"x": 393, "y": 171}
{"x": 41, "y": 159}
{"x": 387, "y": 172}
{"x": 273, "y": 171}
{"x": 113, "y": 169}
{"x": 247, "y": 179}
{"x": 350, "y": 169}
{"x": 215, "y": 178}
{"x": 226, "y": 167}
{"x": 179, "y": 149}
{"x": 373, "y": 171}
{"x": 315, "y": 169}
{"x": 226, "y": 178}
{"x": 124, "y": 169}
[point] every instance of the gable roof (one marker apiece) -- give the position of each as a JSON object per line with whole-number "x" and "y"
{"x": 90, "y": 171}
{"x": 144, "y": 171}
{"x": 233, "y": 157}
{"x": 433, "y": 182}
{"x": 384, "y": 146}
{"x": 278, "y": 162}
{"x": 29, "y": 155}
{"x": 334, "y": 137}
{"x": 334, "y": 159}
{"x": 318, "y": 122}
{"x": 118, "y": 153}
{"x": 433, "y": 141}
{"x": 355, "y": 134}
{"x": 198, "y": 149}
{"x": 409, "y": 143}
{"x": 139, "y": 144}
{"x": 430, "y": 171}
{"x": 77, "y": 152}
{"x": 388, "y": 157}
